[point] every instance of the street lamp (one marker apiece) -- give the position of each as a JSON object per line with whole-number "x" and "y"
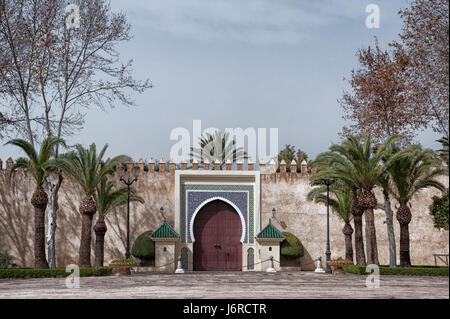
{"x": 328, "y": 182}
{"x": 128, "y": 181}
{"x": 161, "y": 211}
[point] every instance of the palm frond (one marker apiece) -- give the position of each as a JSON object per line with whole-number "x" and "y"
{"x": 37, "y": 163}
{"x": 107, "y": 199}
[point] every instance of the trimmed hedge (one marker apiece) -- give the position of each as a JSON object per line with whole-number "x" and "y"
{"x": 410, "y": 271}
{"x": 291, "y": 247}
{"x": 143, "y": 246}
{"x": 52, "y": 273}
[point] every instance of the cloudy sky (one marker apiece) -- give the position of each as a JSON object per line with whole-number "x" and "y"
{"x": 236, "y": 63}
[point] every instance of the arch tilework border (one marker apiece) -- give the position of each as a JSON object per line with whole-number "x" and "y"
{"x": 214, "y": 191}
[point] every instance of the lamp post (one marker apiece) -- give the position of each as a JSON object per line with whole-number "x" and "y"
{"x": 328, "y": 182}
{"x": 128, "y": 181}
{"x": 161, "y": 211}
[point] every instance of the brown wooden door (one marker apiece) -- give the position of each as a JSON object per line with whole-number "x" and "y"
{"x": 217, "y": 232}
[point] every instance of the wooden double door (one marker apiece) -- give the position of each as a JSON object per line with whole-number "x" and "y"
{"x": 217, "y": 232}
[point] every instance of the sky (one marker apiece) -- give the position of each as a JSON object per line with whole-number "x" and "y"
{"x": 233, "y": 63}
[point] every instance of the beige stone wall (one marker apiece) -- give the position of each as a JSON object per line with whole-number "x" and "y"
{"x": 307, "y": 220}
{"x": 16, "y": 217}
{"x": 284, "y": 191}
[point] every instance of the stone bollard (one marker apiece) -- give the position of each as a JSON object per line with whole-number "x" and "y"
{"x": 179, "y": 269}
{"x": 271, "y": 268}
{"x": 319, "y": 266}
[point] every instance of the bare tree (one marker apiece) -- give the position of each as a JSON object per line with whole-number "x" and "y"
{"x": 425, "y": 39}
{"x": 52, "y": 70}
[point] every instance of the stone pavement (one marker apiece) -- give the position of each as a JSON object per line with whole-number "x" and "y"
{"x": 228, "y": 285}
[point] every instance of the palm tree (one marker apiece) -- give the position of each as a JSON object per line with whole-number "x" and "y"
{"x": 217, "y": 147}
{"x": 341, "y": 205}
{"x": 444, "y": 151}
{"x": 36, "y": 165}
{"x": 333, "y": 165}
{"x": 106, "y": 199}
{"x": 366, "y": 174}
{"x": 85, "y": 166}
{"x": 358, "y": 166}
{"x": 412, "y": 170}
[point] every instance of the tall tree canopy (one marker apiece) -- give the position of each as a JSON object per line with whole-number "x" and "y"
{"x": 378, "y": 102}
{"x": 404, "y": 89}
{"x": 50, "y": 73}
{"x": 424, "y": 38}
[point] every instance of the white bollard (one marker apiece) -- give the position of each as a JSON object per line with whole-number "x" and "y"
{"x": 179, "y": 269}
{"x": 271, "y": 268}
{"x": 319, "y": 266}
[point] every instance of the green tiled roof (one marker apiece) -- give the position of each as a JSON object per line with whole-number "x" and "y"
{"x": 165, "y": 231}
{"x": 270, "y": 231}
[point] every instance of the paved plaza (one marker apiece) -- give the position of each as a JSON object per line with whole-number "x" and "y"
{"x": 258, "y": 285}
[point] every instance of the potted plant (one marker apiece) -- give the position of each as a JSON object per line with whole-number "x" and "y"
{"x": 337, "y": 265}
{"x": 120, "y": 266}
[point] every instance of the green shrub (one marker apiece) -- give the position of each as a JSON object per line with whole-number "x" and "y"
{"x": 123, "y": 261}
{"x": 52, "y": 273}
{"x": 5, "y": 260}
{"x": 291, "y": 246}
{"x": 409, "y": 271}
{"x": 143, "y": 246}
{"x": 439, "y": 211}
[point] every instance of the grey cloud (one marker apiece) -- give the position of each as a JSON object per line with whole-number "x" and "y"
{"x": 253, "y": 21}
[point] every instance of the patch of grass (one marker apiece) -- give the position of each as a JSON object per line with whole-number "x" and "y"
{"x": 51, "y": 273}
{"x": 410, "y": 271}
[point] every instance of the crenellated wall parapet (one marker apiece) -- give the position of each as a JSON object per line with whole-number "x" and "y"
{"x": 269, "y": 171}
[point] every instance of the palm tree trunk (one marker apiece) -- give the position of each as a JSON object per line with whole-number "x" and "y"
{"x": 348, "y": 231}
{"x": 100, "y": 231}
{"x": 39, "y": 201}
{"x": 371, "y": 237}
{"x": 359, "y": 241}
{"x": 404, "y": 218}
{"x": 40, "y": 261}
{"x": 405, "y": 259}
{"x": 85, "y": 241}
{"x": 390, "y": 230}
{"x": 87, "y": 210}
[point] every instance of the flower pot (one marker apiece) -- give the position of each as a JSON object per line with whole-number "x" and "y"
{"x": 121, "y": 268}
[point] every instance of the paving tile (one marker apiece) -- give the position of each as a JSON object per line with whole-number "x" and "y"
{"x": 229, "y": 285}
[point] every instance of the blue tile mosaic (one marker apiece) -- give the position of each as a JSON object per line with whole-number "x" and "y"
{"x": 240, "y": 195}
